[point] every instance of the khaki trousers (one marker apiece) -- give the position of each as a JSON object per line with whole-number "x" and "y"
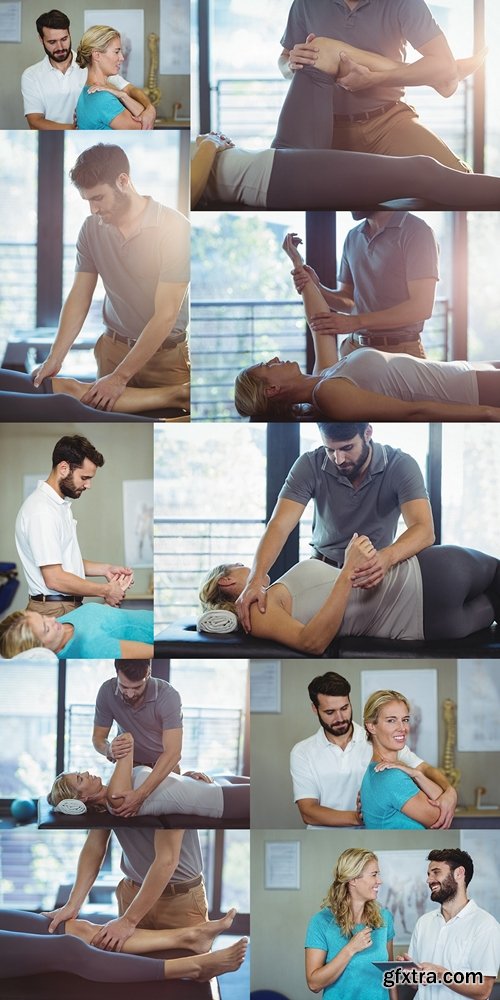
{"x": 169, "y": 912}
{"x": 54, "y": 609}
{"x": 164, "y": 368}
{"x": 398, "y": 132}
{"x": 413, "y": 347}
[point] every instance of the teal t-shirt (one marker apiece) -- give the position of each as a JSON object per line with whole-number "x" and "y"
{"x": 360, "y": 978}
{"x": 98, "y": 629}
{"x": 96, "y": 111}
{"x": 383, "y": 795}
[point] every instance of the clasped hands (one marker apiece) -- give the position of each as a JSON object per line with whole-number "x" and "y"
{"x": 367, "y": 565}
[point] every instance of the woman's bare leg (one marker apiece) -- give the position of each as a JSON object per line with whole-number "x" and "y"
{"x": 198, "y": 938}
{"x": 132, "y": 400}
{"x": 329, "y": 61}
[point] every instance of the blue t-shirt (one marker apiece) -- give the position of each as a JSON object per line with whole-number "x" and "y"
{"x": 360, "y": 978}
{"x": 96, "y": 111}
{"x": 383, "y": 795}
{"x": 98, "y": 630}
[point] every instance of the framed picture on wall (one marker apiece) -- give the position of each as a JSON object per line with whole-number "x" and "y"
{"x": 130, "y": 25}
{"x": 404, "y": 890}
{"x": 484, "y": 849}
{"x": 420, "y": 688}
{"x": 138, "y": 522}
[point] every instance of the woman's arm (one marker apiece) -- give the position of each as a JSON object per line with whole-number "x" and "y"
{"x": 121, "y": 779}
{"x": 276, "y": 622}
{"x": 325, "y": 347}
{"x": 203, "y": 160}
{"x": 320, "y": 974}
{"x": 427, "y": 785}
{"x": 128, "y": 102}
{"x": 131, "y": 650}
{"x": 340, "y": 399}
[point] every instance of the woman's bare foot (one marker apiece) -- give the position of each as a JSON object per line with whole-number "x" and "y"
{"x": 201, "y": 937}
{"x": 290, "y": 244}
{"x": 225, "y": 960}
{"x": 179, "y": 396}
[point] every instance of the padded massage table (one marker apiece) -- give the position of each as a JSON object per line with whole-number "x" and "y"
{"x": 182, "y": 639}
{"x": 49, "y": 819}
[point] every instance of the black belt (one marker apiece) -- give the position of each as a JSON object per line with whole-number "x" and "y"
{"x": 326, "y": 559}
{"x": 168, "y": 344}
{"x": 364, "y": 116}
{"x": 56, "y": 597}
{"x": 393, "y": 338}
{"x": 175, "y": 888}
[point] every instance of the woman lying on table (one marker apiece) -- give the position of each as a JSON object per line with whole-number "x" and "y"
{"x": 91, "y": 630}
{"x": 444, "y": 592}
{"x": 393, "y": 795}
{"x": 367, "y": 383}
{"x": 27, "y": 949}
{"x": 193, "y": 792}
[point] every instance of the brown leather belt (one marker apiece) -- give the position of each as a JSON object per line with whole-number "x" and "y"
{"x": 175, "y": 888}
{"x": 385, "y": 341}
{"x": 168, "y": 344}
{"x": 56, "y": 597}
{"x": 326, "y": 559}
{"x": 363, "y": 116}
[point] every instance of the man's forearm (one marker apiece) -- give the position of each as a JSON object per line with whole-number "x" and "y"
{"x": 268, "y": 550}
{"x": 403, "y": 314}
{"x": 152, "y": 337}
{"x": 156, "y": 880}
{"x": 428, "y": 71}
{"x": 283, "y": 66}
{"x": 138, "y": 95}
{"x": 89, "y": 866}
{"x": 69, "y": 583}
{"x": 42, "y": 124}
{"x": 413, "y": 540}
{"x": 340, "y": 301}
{"x": 102, "y": 745}
{"x": 73, "y": 315}
{"x": 166, "y": 763}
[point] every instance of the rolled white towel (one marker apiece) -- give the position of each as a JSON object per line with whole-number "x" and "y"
{"x": 217, "y": 621}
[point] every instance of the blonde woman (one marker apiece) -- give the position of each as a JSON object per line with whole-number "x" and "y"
{"x": 350, "y": 933}
{"x": 101, "y": 105}
{"x": 394, "y": 796}
{"x": 88, "y": 631}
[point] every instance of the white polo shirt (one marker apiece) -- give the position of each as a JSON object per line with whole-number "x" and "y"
{"x": 46, "y": 536}
{"x": 469, "y": 942}
{"x": 322, "y": 770}
{"x": 49, "y": 92}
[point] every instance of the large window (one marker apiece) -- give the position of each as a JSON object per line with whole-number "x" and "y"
{"x": 18, "y": 181}
{"x": 244, "y": 306}
{"x": 213, "y": 694}
{"x": 209, "y": 507}
{"x": 492, "y": 146}
{"x": 471, "y": 486}
{"x": 484, "y": 305}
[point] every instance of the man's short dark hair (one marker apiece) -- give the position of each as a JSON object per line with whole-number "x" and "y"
{"x": 342, "y": 432}
{"x": 455, "y": 858}
{"x": 74, "y": 450}
{"x": 331, "y": 684}
{"x": 133, "y": 670}
{"x": 101, "y": 164}
{"x": 52, "y": 19}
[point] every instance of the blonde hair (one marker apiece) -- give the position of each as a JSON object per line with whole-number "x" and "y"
{"x": 16, "y": 635}
{"x": 96, "y": 39}
{"x": 351, "y": 865}
{"x": 63, "y": 789}
{"x": 212, "y": 596}
{"x": 376, "y": 701}
{"x": 251, "y": 399}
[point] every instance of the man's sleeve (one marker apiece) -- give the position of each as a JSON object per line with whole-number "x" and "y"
{"x": 169, "y": 709}
{"x": 304, "y": 783}
{"x": 406, "y": 756}
{"x": 103, "y": 715}
{"x": 295, "y": 31}
{"x": 485, "y": 950}
{"x": 409, "y": 481}
{"x": 118, "y": 81}
{"x": 43, "y": 534}
{"x": 417, "y": 23}
{"x": 300, "y": 484}
{"x": 413, "y": 947}
{"x": 420, "y": 253}
{"x": 34, "y": 103}
{"x": 84, "y": 258}
{"x": 175, "y": 248}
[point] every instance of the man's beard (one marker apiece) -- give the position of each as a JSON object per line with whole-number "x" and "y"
{"x": 336, "y": 728}
{"x": 446, "y": 891}
{"x": 68, "y": 489}
{"x": 352, "y": 471}
{"x": 61, "y": 56}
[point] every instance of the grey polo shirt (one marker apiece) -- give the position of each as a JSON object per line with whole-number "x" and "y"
{"x": 383, "y": 26}
{"x": 131, "y": 267}
{"x": 381, "y": 265}
{"x": 373, "y": 509}
{"x": 138, "y": 849}
{"x": 159, "y": 710}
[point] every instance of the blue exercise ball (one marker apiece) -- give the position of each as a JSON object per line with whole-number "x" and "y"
{"x": 23, "y": 809}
